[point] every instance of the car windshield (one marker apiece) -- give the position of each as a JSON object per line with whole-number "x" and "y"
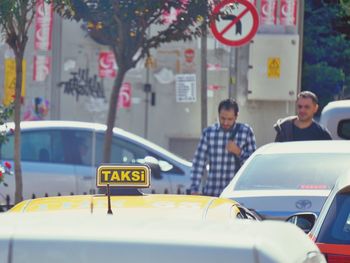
{"x": 293, "y": 171}
{"x": 336, "y": 226}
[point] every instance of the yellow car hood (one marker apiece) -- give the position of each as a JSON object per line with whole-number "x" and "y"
{"x": 167, "y": 206}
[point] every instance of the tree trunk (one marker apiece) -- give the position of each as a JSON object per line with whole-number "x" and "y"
{"x": 17, "y": 157}
{"x": 112, "y": 113}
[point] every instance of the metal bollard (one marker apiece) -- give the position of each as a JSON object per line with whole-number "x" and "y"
{"x": 8, "y": 206}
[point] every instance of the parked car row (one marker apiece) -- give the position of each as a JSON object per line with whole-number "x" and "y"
{"x": 60, "y": 158}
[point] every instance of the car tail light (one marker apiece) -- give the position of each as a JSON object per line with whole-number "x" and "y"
{"x": 332, "y": 258}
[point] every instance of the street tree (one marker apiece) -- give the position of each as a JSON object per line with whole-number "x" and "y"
{"x": 131, "y": 28}
{"x": 16, "y": 17}
{"x": 326, "y": 51}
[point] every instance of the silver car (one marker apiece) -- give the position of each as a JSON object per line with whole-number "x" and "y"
{"x": 83, "y": 238}
{"x": 281, "y": 179}
{"x": 60, "y": 158}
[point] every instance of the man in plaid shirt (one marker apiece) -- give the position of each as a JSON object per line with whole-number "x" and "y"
{"x": 223, "y": 153}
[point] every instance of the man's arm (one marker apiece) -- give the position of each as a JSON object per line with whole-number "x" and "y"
{"x": 279, "y": 137}
{"x": 199, "y": 163}
{"x": 249, "y": 146}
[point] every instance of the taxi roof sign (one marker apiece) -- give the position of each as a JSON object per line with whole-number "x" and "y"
{"x": 129, "y": 176}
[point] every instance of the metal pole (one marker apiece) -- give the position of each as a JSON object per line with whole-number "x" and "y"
{"x": 56, "y": 67}
{"x": 109, "y": 212}
{"x": 204, "y": 80}
{"x": 233, "y": 73}
{"x": 301, "y": 10}
{"x": 147, "y": 91}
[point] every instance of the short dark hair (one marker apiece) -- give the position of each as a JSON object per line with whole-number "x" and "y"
{"x": 308, "y": 95}
{"x": 228, "y": 104}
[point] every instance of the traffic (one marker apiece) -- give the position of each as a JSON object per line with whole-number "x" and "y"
{"x": 171, "y": 131}
{"x": 298, "y": 183}
{"x": 130, "y": 224}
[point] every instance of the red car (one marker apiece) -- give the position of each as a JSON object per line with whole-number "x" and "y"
{"x": 331, "y": 230}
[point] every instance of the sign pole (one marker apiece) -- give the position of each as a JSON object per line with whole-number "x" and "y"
{"x": 204, "y": 76}
{"x": 109, "y": 212}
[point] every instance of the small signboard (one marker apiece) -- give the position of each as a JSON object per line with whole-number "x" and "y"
{"x": 186, "y": 88}
{"x": 236, "y": 22}
{"x": 273, "y": 68}
{"x": 136, "y": 176}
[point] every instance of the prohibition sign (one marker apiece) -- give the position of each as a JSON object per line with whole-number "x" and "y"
{"x": 244, "y": 19}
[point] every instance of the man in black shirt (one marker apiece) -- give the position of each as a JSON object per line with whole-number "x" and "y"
{"x": 302, "y": 127}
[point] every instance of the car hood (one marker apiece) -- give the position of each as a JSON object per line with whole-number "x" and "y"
{"x": 163, "y": 206}
{"x": 279, "y": 204}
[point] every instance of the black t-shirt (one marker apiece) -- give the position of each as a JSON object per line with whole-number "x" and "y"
{"x": 311, "y": 133}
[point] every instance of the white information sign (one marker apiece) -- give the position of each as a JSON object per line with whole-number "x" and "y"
{"x": 186, "y": 88}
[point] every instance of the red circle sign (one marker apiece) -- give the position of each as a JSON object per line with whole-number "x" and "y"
{"x": 247, "y": 10}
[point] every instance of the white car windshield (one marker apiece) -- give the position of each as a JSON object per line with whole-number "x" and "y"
{"x": 309, "y": 171}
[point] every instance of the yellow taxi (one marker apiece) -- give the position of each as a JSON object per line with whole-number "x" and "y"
{"x": 122, "y": 184}
{"x": 125, "y": 225}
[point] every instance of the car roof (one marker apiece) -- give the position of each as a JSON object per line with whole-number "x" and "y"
{"x": 55, "y": 234}
{"x": 165, "y": 206}
{"x": 337, "y": 105}
{"x": 326, "y": 146}
{"x": 60, "y": 124}
{"x": 27, "y": 125}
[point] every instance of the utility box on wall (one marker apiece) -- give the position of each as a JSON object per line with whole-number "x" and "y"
{"x": 273, "y": 73}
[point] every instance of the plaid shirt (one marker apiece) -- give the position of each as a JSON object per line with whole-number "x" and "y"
{"x": 212, "y": 149}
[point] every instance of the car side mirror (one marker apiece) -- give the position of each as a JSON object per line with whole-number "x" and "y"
{"x": 155, "y": 170}
{"x": 153, "y": 163}
{"x": 305, "y": 221}
{"x": 165, "y": 166}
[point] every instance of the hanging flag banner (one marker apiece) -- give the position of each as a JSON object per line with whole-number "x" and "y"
{"x": 288, "y": 12}
{"x": 268, "y": 12}
{"x": 107, "y": 66}
{"x": 10, "y": 80}
{"x": 124, "y": 98}
{"x": 43, "y": 25}
{"x": 42, "y": 67}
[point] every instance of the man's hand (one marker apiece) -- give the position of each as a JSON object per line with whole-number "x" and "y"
{"x": 233, "y": 148}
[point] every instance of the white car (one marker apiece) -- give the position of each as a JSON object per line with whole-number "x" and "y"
{"x": 60, "y": 158}
{"x": 281, "y": 179}
{"x": 336, "y": 118}
{"x": 84, "y": 238}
